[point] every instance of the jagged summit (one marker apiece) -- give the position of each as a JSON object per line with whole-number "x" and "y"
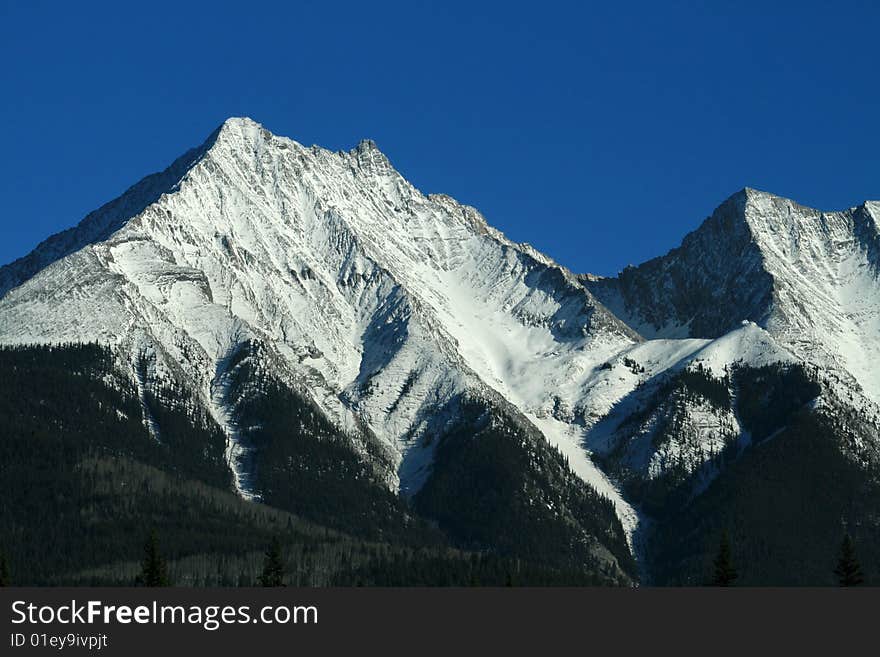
{"x": 367, "y": 145}
{"x": 241, "y": 135}
{"x": 240, "y": 123}
{"x": 809, "y": 277}
{"x": 391, "y": 319}
{"x": 385, "y": 304}
{"x": 240, "y": 127}
{"x": 753, "y": 203}
{"x": 101, "y": 223}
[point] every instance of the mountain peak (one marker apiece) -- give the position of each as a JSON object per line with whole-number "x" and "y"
{"x": 240, "y": 121}
{"x": 239, "y": 125}
{"x": 238, "y": 132}
{"x": 748, "y": 196}
{"x": 370, "y": 158}
{"x": 756, "y": 212}
{"x": 366, "y": 145}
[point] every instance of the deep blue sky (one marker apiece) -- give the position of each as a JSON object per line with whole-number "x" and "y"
{"x": 599, "y": 132}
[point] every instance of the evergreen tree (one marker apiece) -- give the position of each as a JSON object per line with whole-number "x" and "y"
{"x": 4, "y": 570}
{"x": 725, "y": 573}
{"x": 848, "y": 571}
{"x": 154, "y": 569}
{"x": 273, "y": 566}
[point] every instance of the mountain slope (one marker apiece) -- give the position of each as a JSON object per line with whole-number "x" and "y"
{"x": 811, "y": 278}
{"x": 356, "y": 279}
{"x": 83, "y": 481}
{"x": 380, "y": 306}
{"x": 384, "y": 363}
{"x": 805, "y": 283}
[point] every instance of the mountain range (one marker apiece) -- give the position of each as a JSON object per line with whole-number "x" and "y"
{"x": 268, "y": 339}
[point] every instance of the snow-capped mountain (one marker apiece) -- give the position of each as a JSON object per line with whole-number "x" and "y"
{"x": 384, "y": 301}
{"x": 763, "y": 280}
{"x": 811, "y": 278}
{"x": 392, "y": 311}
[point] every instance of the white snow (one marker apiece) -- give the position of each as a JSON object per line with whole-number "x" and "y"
{"x": 386, "y": 303}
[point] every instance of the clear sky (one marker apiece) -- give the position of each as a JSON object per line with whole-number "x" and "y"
{"x": 599, "y": 132}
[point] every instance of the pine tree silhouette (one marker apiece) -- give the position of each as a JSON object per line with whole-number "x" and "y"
{"x": 4, "y": 570}
{"x": 848, "y": 571}
{"x": 725, "y": 573}
{"x": 273, "y": 566}
{"x": 154, "y": 570}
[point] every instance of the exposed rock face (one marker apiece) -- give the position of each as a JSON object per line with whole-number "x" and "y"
{"x": 386, "y": 311}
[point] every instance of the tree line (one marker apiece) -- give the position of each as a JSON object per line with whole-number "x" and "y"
{"x": 848, "y": 570}
{"x": 154, "y": 566}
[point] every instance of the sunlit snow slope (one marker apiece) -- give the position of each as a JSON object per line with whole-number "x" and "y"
{"x": 384, "y": 304}
{"x": 811, "y": 278}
